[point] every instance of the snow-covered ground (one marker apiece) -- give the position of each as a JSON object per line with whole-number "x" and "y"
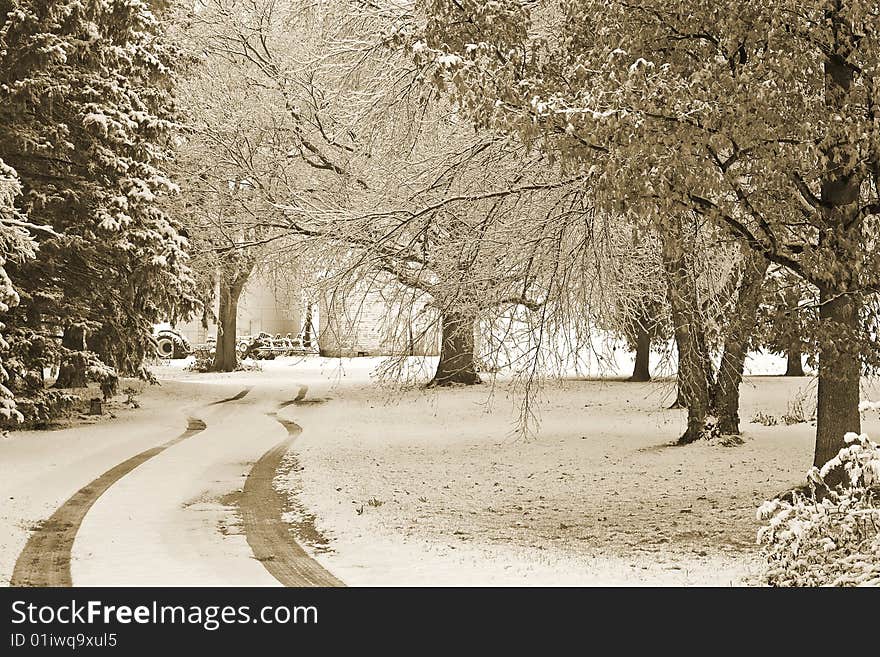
{"x": 436, "y": 487}
{"x": 415, "y": 486}
{"x": 39, "y": 470}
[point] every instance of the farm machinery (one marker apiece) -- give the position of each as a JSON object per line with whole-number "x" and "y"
{"x": 171, "y": 344}
{"x": 265, "y": 346}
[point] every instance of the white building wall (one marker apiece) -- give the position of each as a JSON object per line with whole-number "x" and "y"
{"x": 265, "y": 305}
{"x": 372, "y": 322}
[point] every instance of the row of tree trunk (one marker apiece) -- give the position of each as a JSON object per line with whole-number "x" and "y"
{"x": 839, "y": 246}
{"x": 642, "y": 371}
{"x": 710, "y": 396}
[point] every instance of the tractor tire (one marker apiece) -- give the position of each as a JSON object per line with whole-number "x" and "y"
{"x": 170, "y": 344}
{"x": 165, "y": 347}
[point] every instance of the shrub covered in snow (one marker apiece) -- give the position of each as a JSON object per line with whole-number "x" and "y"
{"x": 15, "y": 243}
{"x": 105, "y": 375}
{"x": 824, "y": 536}
{"x": 41, "y": 409}
{"x": 204, "y": 359}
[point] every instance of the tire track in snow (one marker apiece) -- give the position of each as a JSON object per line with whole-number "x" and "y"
{"x": 240, "y": 395}
{"x": 45, "y": 559}
{"x": 261, "y": 507}
{"x": 300, "y": 396}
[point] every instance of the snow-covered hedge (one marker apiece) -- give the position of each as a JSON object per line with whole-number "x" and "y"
{"x": 15, "y": 243}
{"x": 831, "y": 539}
{"x": 41, "y": 409}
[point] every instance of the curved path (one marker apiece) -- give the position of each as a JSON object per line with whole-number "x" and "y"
{"x": 157, "y": 518}
{"x": 45, "y": 560}
{"x": 261, "y": 508}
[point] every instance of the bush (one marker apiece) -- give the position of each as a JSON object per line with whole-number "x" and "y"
{"x": 766, "y": 419}
{"x": 105, "y": 375}
{"x": 824, "y": 536}
{"x": 800, "y": 410}
{"x": 203, "y": 358}
{"x": 203, "y": 361}
{"x": 41, "y": 409}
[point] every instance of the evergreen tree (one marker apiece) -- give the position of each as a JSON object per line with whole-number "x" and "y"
{"x": 15, "y": 243}
{"x": 86, "y": 120}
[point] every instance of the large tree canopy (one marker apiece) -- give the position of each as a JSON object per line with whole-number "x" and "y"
{"x": 687, "y": 107}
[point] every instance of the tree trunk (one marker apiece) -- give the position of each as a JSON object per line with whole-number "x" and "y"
{"x": 841, "y": 247}
{"x": 693, "y": 360}
{"x": 456, "y": 363}
{"x": 225, "y": 356}
{"x": 795, "y": 364}
{"x": 725, "y": 393}
{"x": 837, "y": 408}
{"x": 692, "y": 341}
{"x": 307, "y": 327}
{"x": 642, "y": 370}
{"x": 642, "y": 328}
{"x": 72, "y": 371}
{"x": 693, "y": 391}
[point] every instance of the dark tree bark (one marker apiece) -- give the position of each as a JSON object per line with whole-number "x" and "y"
{"x": 691, "y": 340}
{"x": 72, "y": 371}
{"x": 725, "y": 392}
{"x": 643, "y": 327}
{"x": 694, "y": 377}
{"x": 837, "y": 408}
{"x": 840, "y": 242}
{"x": 456, "y": 363}
{"x": 642, "y": 370}
{"x": 693, "y": 385}
{"x": 794, "y": 365}
{"x": 307, "y": 327}
{"x": 226, "y": 356}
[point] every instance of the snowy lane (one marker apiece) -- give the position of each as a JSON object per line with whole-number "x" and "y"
{"x": 262, "y": 508}
{"x": 178, "y": 492}
{"x": 170, "y": 521}
{"x": 419, "y": 487}
{"x": 45, "y": 560}
{"x": 40, "y": 470}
